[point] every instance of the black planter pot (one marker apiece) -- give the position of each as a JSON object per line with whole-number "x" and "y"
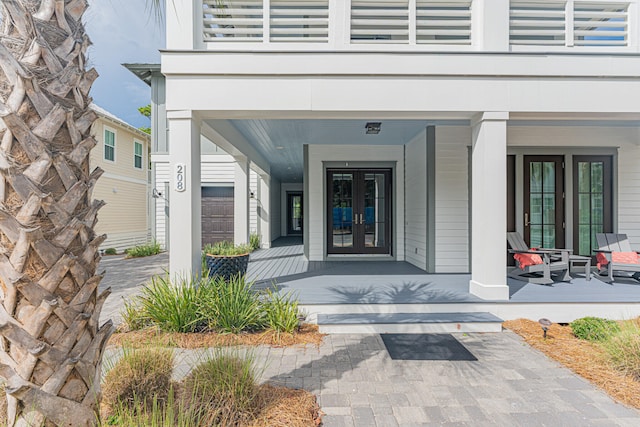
{"x": 227, "y": 266}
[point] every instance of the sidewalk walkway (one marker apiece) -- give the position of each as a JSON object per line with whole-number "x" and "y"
{"x": 358, "y": 384}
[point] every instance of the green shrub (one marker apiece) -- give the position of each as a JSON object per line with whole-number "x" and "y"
{"x": 223, "y": 388}
{"x": 254, "y": 241}
{"x": 174, "y": 307}
{"x": 139, "y": 377}
{"x": 110, "y": 251}
{"x": 226, "y": 249}
{"x": 281, "y": 311}
{"x": 152, "y": 248}
{"x": 231, "y": 306}
{"x": 157, "y": 414}
{"x": 623, "y": 349}
{"x": 133, "y": 314}
{"x": 594, "y": 328}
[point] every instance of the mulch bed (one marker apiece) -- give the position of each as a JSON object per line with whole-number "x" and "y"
{"x": 308, "y": 334}
{"x": 583, "y": 357}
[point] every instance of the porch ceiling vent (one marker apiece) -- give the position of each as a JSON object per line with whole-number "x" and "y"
{"x": 373, "y": 128}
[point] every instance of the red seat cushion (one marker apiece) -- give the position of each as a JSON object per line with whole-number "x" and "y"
{"x": 525, "y": 260}
{"x": 618, "y": 258}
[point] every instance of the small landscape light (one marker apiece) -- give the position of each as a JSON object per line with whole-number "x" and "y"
{"x": 545, "y": 323}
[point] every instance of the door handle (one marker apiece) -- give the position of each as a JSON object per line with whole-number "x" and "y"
{"x": 526, "y": 219}
{"x": 361, "y": 221}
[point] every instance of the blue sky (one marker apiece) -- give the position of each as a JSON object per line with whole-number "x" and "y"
{"x": 122, "y": 31}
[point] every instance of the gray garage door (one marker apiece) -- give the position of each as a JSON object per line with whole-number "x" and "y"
{"x": 217, "y": 214}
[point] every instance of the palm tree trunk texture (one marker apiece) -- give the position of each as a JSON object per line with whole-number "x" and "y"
{"x": 51, "y": 344}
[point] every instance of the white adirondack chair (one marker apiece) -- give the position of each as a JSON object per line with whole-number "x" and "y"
{"x": 554, "y": 261}
{"x": 609, "y": 243}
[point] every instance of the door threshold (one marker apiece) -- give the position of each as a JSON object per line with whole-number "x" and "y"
{"x": 360, "y": 257}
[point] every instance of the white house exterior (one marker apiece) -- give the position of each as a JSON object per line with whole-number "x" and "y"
{"x": 217, "y": 172}
{"x": 494, "y": 115}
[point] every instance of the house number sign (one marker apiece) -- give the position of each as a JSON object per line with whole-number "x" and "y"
{"x": 180, "y": 181}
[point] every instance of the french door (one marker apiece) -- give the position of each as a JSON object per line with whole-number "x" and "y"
{"x": 359, "y": 211}
{"x": 592, "y": 201}
{"x": 544, "y": 201}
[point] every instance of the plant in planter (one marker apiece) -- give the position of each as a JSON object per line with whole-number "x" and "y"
{"x": 224, "y": 259}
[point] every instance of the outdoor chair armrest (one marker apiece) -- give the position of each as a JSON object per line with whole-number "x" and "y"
{"x": 605, "y": 251}
{"x": 517, "y": 251}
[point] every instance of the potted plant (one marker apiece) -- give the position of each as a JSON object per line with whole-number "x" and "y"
{"x": 224, "y": 259}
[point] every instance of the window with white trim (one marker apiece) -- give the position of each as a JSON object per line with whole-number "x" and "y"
{"x": 137, "y": 155}
{"x": 109, "y": 145}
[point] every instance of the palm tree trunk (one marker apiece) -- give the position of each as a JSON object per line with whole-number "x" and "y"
{"x": 51, "y": 344}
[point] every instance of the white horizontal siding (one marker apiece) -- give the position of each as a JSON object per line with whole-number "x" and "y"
{"x": 415, "y": 213}
{"x": 215, "y": 169}
{"x": 629, "y": 192}
{"x": 452, "y": 199}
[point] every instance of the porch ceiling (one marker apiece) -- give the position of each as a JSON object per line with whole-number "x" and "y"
{"x": 281, "y": 141}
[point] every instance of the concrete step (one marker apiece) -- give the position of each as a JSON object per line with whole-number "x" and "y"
{"x": 408, "y": 323}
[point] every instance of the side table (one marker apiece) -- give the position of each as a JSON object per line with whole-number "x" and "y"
{"x": 581, "y": 261}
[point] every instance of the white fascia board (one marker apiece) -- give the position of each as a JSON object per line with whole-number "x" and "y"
{"x": 458, "y": 97}
{"x": 512, "y": 64}
{"x": 226, "y": 136}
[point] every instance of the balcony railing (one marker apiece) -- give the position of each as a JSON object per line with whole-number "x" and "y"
{"x": 424, "y": 24}
{"x": 569, "y": 23}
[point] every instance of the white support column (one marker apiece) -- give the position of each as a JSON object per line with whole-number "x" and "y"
{"x": 241, "y": 192}
{"x": 264, "y": 210}
{"x": 489, "y": 206}
{"x": 184, "y": 194}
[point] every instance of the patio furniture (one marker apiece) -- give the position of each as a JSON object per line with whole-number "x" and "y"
{"x": 584, "y": 261}
{"x": 614, "y": 253}
{"x": 536, "y": 265}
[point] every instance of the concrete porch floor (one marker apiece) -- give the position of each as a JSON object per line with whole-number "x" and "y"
{"x": 361, "y": 282}
{"x": 399, "y": 287}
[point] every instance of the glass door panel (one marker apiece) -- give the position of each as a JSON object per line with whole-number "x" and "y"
{"x": 593, "y": 201}
{"x": 358, "y": 218}
{"x": 374, "y": 214}
{"x": 544, "y": 205}
{"x": 342, "y": 210}
{"x": 294, "y": 214}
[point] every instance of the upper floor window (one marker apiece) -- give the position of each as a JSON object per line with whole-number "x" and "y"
{"x": 109, "y": 145}
{"x": 137, "y": 155}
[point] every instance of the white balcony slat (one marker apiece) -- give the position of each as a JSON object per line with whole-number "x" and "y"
{"x": 234, "y": 21}
{"x": 229, "y": 30}
{"x": 379, "y": 22}
{"x": 515, "y": 13}
{"x": 444, "y": 32}
{"x": 537, "y": 23}
{"x": 380, "y": 12}
{"x": 381, "y": 32}
{"x": 300, "y": 21}
{"x": 308, "y": 31}
{"x": 447, "y": 13}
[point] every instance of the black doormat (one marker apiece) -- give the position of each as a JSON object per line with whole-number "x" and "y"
{"x": 425, "y": 347}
